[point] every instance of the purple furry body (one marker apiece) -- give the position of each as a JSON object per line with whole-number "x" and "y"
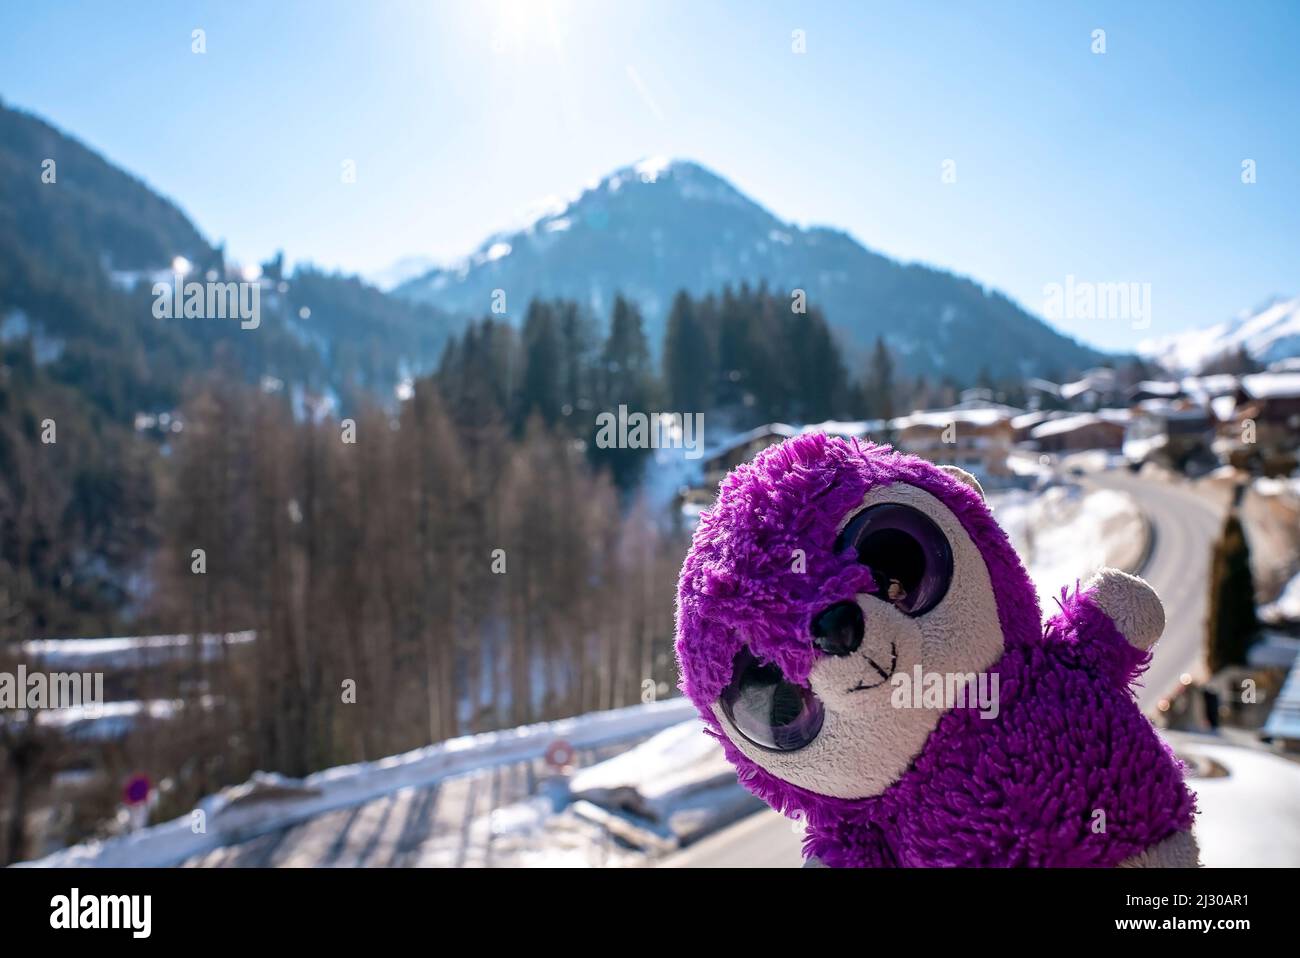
{"x": 1023, "y": 788}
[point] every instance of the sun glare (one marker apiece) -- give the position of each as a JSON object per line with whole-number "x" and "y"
{"x": 520, "y": 26}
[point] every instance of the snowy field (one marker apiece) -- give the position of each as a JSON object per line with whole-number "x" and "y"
{"x": 1065, "y": 534}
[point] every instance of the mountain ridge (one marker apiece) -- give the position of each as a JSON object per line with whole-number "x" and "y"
{"x": 657, "y": 226}
{"x": 1268, "y": 333}
{"x": 80, "y": 250}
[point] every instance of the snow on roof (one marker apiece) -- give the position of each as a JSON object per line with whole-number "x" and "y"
{"x": 745, "y": 438}
{"x": 1170, "y": 409}
{"x": 832, "y": 427}
{"x": 1223, "y": 407}
{"x": 940, "y": 418}
{"x": 1032, "y": 419}
{"x": 76, "y": 655}
{"x": 1271, "y": 385}
{"x": 1220, "y": 384}
{"x": 1102, "y": 378}
{"x": 1055, "y": 427}
{"x": 857, "y": 427}
{"x": 1158, "y": 387}
{"x": 986, "y": 404}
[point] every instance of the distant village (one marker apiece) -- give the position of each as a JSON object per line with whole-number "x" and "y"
{"x": 1190, "y": 425}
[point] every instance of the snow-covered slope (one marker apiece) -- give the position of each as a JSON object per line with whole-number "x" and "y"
{"x": 406, "y": 268}
{"x": 1269, "y": 334}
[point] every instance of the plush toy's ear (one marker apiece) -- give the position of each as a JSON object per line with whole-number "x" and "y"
{"x": 961, "y": 475}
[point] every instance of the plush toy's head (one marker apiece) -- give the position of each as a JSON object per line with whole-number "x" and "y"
{"x": 826, "y": 567}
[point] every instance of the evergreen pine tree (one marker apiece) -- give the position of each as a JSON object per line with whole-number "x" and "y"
{"x": 688, "y": 358}
{"x": 880, "y": 388}
{"x": 1231, "y": 623}
{"x": 542, "y": 389}
{"x": 627, "y": 381}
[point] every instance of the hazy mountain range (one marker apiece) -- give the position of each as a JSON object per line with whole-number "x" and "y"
{"x": 81, "y": 244}
{"x": 78, "y": 256}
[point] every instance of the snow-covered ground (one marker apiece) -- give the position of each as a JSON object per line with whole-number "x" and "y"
{"x": 112, "y": 720}
{"x": 1249, "y": 816}
{"x": 270, "y": 802}
{"x": 1265, "y": 486}
{"x": 127, "y": 652}
{"x": 1065, "y": 534}
{"x": 631, "y": 809}
{"x": 678, "y": 779}
{"x": 1286, "y": 607}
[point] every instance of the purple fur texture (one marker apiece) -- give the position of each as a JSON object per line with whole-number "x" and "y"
{"x": 1024, "y": 788}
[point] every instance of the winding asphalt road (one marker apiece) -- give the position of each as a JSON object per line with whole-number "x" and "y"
{"x": 1184, "y": 527}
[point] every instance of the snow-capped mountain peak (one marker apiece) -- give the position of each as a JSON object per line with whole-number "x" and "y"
{"x": 653, "y": 228}
{"x": 1269, "y": 334}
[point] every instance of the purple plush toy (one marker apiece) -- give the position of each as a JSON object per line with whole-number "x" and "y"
{"x": 857, "y": 631}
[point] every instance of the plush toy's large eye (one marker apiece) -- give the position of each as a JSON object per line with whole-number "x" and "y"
{"x": 766, "y": 709}
{"x": 908, "y": 555}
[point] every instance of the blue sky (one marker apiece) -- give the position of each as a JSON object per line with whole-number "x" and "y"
{"x": 1118, "y": 167}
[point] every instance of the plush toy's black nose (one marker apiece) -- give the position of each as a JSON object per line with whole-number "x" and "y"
{"x": 838, "y": 629}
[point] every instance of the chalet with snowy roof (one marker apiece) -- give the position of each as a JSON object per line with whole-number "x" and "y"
{"x": 1154, "y": 389}
{"x": 1175, "y": 433}
{"x": 1265, "y": 422}
{"x": 1026, "y": 423}
{"x": 1104, "y": 429}
{"x": 742, "y": 447}
{"x": 977, "y": 436}
{"x": 1040, "y": 393}
{"x": 1098, "y": 388}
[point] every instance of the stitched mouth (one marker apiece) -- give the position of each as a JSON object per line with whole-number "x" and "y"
{"x": 885, "y": 674}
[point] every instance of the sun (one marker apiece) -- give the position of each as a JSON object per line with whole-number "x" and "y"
{"x": 520, "y": 26}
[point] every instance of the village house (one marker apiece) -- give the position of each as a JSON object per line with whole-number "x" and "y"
{"x": 1104, "y": 429}
{"x": 1026, "y": 423}
{"x": 1097, "y": 389}
{"x": 742, "y": 447}
{"x": 1178, "y": 434}
{"x": 1265, "y": 421}
{"x": 977, "y": 437}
